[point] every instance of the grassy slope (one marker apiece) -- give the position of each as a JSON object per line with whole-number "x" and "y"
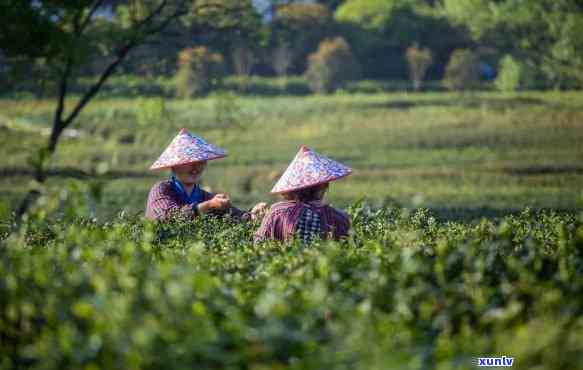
{"x": 485, "y": 151}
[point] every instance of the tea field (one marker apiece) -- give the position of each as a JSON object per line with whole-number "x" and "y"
{"x": 406, "y": 291}
{"x": 463, "y": 156}
{"x": 466, "y": 241}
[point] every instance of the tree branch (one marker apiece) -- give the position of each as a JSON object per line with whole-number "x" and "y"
{"x": 97, "y": 86}
{"x": 61, "y": 124}
{"x": 121, "y": 54}
{"x": 77, "y": 24}
{"x": 58, "y": 118}
{"x": 165, "y": 22}
{"x": 92, "y": 11}
{"x": 143, "y": 29}
{"x": 58, "y": 123}
{"x": 151, "y": 16}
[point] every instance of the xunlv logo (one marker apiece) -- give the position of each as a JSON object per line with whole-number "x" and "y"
{"x": 495, "y": 361}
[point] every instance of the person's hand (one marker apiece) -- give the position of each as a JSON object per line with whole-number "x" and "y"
{"x": 219, "y": 201}
{"x": 259, "y": 210}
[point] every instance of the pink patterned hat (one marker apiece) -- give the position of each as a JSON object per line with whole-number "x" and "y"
{"x": 309, "y": 168}
{"x": 187, "y": 148}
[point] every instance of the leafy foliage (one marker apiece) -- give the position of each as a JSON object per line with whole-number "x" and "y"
{"x": 199, "y": 69}
{"x": 463, "y": 71}
{"x": 332, "y": 66}
{"x": 301, "y": 27}
{"x": 405, "y": 289}
{"x": 514, "y": 74}
{"x": 419, "y": 61}
{"x": 546, "y": 31}
{"x": 381, "y": 31}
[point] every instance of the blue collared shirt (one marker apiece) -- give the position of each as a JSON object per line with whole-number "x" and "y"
{"x": 194, "y": 198}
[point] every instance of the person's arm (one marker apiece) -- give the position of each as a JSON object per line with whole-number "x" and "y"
{"x": 214, "y": 203}
{"x": 239, "y": 214}
{"x": 257, "y": 212}
{"x": 220, "y": 204}
{"x": 342, "y": 224}
{"x": 265, "y": 231}
{"x": 271, "y": 226}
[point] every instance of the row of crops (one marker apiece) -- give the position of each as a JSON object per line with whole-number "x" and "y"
{"x": 406, "y": 291}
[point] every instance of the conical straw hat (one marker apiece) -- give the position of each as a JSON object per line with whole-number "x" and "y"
{"x": 309, "y": 168}
{"x": 186, "y": 148}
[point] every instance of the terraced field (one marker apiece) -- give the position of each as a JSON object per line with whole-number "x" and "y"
{"x": 462, "y": 156}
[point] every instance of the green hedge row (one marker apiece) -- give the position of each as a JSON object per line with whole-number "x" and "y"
{"x": 405, "y": 291}
{"x": 138, "y": 86}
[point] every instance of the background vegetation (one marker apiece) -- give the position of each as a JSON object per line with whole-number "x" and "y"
{"x": 480, "y": 154}
{"x": 542, "y": 34}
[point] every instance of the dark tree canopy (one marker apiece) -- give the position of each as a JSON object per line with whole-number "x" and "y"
{"x": 545, "y": 32}
{"x": 31, "y": 28}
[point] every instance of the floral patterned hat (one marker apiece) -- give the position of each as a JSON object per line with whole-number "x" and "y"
{"x": 187, "y": 148}
{"x": 309, "y": 168}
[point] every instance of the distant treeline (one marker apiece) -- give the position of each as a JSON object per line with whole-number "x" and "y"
{"x": 519, "y": 44}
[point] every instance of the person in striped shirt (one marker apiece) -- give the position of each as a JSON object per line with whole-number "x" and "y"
{"x": 303, "y": 214}
{"x": 181, "y": 195}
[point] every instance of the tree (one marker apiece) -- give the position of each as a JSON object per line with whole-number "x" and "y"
{"x": 547, "y": 33}
{"x": 159, "y": 54}
{"x": 301, "y": 27}
{"x": 382, "y": 30}
{"x": 243, "y": 60}
{"x": 514, "y": 74}
{"x": 68, "y": 33}
{"x": 419, "y": 61}
{"x": 35, "y": 26}
{"x": 199, "y": 70}
{"x": 332, "y": 66}
{"x": 331, "y": 4}
{"x": 281, "y": 61}
{"x": 251, "y": 33}
{"x": 463, "y": 71}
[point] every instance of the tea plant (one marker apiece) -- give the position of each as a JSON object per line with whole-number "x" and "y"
{"x": 404, "y": 291}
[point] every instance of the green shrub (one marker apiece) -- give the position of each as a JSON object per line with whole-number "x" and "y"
{"x": 514, "y": 75}
{"x": 462, "y": 71}
{"x": 332, "y": 66}
{"x": 199, "y": 70}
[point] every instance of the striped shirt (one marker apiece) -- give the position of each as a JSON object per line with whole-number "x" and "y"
{"x": 166, "y": 200}
{"x": 282, "y": 220}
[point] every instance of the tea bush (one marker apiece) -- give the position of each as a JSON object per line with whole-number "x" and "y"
{"x": 404, "y": 291}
